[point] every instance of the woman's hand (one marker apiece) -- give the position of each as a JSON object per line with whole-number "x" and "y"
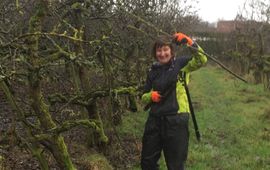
{"x": 180, "y": 38}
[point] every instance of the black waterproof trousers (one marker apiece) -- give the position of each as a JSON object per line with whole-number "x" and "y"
{"x": 170, "y": 134}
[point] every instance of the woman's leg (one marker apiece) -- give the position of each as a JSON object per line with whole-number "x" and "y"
{"x": 151, "y": 145}
{"x": 175, "y": 141}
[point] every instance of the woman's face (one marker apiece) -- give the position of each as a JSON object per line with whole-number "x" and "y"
{"x": 163, "y": 54}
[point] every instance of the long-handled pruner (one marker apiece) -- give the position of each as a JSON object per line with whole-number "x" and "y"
{"x": 169, "y": 35}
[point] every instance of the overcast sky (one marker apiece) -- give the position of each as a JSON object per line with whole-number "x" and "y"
{"x": 213, "y": 10}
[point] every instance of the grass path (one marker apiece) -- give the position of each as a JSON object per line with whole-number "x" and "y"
{"x": 234, "y": 121}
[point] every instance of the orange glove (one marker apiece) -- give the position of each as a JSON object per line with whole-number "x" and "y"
{"x": 180, "y": 38}
{"x": 155, "y": 96}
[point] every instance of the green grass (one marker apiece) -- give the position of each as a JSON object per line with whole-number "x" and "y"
{"x": 232, "y": 120}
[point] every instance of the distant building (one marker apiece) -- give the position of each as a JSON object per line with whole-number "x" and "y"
{"x": 232, "y": 25}
{"x": 226, "y": 26}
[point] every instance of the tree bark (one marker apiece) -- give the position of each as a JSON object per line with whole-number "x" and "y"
{"x": 56, "y": 142}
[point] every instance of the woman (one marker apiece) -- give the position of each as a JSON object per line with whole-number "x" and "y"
{"x": 167, "y": 125}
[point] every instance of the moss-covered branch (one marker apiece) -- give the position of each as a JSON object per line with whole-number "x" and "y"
{"x": 86, "y": 99}
{"x": 60, "y": 98}
{"x": 104, "y": 93}
{"x": 74, "y": 123}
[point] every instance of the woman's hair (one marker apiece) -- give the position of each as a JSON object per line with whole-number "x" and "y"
{"x": 162, "y": 41}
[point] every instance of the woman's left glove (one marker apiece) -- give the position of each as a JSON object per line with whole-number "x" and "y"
{"x": 180, "y": 38}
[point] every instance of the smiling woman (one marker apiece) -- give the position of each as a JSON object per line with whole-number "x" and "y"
{"x": 166, "y": 128}
{"x": 163, "y": 54}
{"x": 163, "y": 50}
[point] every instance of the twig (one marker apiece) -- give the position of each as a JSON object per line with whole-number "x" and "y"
{"x": 50, "y": 34}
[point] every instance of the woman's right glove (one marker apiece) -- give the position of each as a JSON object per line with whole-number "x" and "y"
{"x": 155, "y": 96}
{"x": 180, "y": 38}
